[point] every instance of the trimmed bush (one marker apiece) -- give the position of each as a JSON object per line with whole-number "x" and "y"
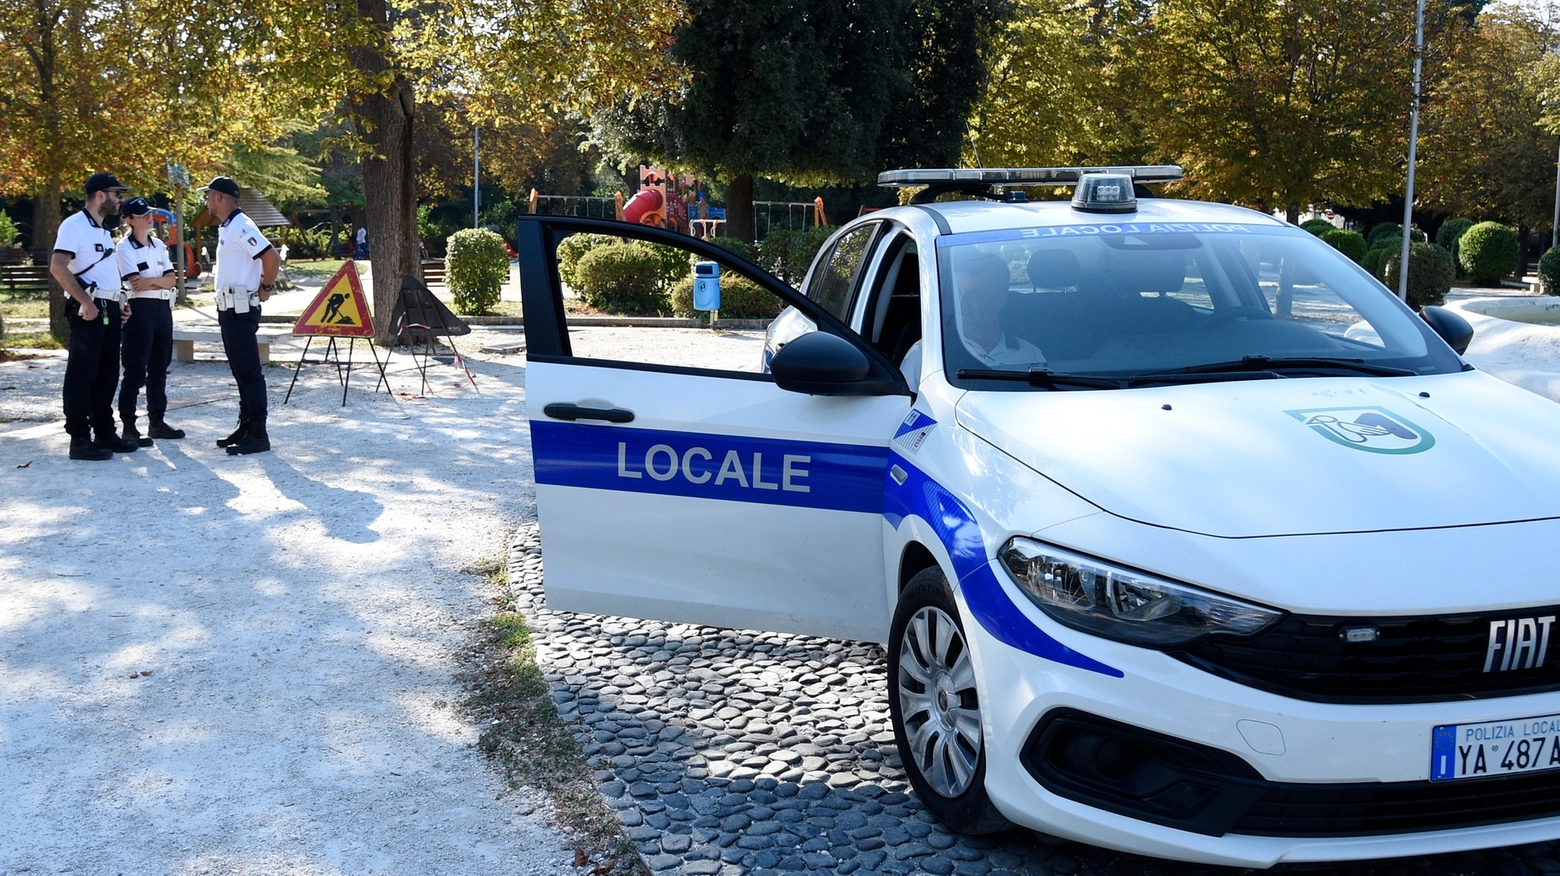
{"x": 788, "y": 254}
{"x": 1452, "y": 231}
{"x": 672, "y": 264}
{"x": 571, "y": 248}
{"x": 9, "y": 235}
{"x": 740, "y": 247}
{"x": 740, "y": 298}
{"x": 1350, "y": 243}
{"x": 1549, "y": 270}
{"x": 1318, "y": 227}
{"x": 1488, "y": 252}
{"x": 1385, "y": 229}
{"x": 621, "y": 278}
{"x": 1375, "y": 260}
{"x": 476, "y": 267}
{"x": 1430, "y": 273}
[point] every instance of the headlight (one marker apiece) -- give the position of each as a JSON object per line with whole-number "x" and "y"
{"x": 1124, "y": 605}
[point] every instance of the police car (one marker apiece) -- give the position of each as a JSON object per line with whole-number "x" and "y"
{"x": 1185, "y": 536}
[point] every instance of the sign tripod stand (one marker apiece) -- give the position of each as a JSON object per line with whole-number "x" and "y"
{"x": 339, "y": 311}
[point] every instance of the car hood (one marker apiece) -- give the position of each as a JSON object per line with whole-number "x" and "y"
{"x": 1290, "y": 456}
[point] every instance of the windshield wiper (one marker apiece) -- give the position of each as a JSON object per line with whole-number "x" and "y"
{"x": 1044, "y": 377}
{"x": 1293, "y": 363}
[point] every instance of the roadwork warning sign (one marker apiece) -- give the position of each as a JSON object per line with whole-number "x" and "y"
{"x": 340, "y": 310}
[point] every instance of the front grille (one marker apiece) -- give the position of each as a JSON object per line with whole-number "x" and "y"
{"x": 1405, "y": 807}
{"x": 1413, "y": 660}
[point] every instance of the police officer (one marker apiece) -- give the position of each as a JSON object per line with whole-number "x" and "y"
{"x": 245, "y": 276}
{"x": 84, "y": 266}
{"x": 147, "y": 271}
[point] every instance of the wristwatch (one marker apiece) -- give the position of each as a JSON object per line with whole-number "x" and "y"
{"x": 269, "y": 287}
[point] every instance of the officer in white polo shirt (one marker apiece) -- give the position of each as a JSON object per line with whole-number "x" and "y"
{"x": 84, "y": 266}
{"x": 148, "y": 275}
{"x": 245, "y": 275}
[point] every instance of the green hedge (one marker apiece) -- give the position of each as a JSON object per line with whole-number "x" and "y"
{"x": 571, "y": 248}
{"x": 740, "y": 247}
{"x": 1430, "y": 273}
{"x": 1452, "y": 231}
{"x": 476, "y": 266}
{"x": 740, "y": 298}
{"x": 1318, "y": 227}
{"x": 1488, "y": 253}
{"x": 1375, "y": 260}
{"x": 621, "y": 278}
{"x": 1549, "y": 270}
{"x": 1385, "y": 229}
{"x": 1350, "y": 243}
{"x": 788, "y": 254}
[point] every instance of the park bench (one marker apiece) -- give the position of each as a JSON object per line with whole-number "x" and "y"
{"x": 185, "y": 337}
{"x": 433, "y": 271}
{"x": 24, "y": 281}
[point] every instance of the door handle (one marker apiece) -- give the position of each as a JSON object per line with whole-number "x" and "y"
{"x": 566, "y": 411}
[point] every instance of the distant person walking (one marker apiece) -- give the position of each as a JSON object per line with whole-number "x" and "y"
{"x": 362, "y": 243}
{"x": 148, "y": 273}
{"x": 83, "y": 264}
{"x": 245, "y": 276}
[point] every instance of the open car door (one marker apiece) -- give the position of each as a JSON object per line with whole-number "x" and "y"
{"x": 673, "y": 490}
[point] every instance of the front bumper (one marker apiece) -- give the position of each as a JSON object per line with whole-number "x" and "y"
{"x": 1295, "y": 752}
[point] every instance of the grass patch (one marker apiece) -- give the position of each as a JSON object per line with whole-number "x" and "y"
{"x": 24, "y": 308}
{"x": 317, "y": 269}
{"x": 524, "y": 736}
{"x": 30, "y": 341}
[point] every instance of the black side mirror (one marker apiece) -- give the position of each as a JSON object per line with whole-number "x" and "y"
{"x": 819, "y": 363}
{"x": 1452, "y": 328}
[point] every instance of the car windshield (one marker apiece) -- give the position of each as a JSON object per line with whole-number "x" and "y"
{"x": 1145, "y": 302}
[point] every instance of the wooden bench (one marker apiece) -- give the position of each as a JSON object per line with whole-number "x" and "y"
{"x": 25, "y": 281}
{"x": 184, "y": 338}
{"x": 433, "y": 271}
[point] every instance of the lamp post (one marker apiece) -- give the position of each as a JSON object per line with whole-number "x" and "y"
{"x": 1554, "y": 225}
{"x": 476, "y": 177}
{"x": 1413, "y": 148}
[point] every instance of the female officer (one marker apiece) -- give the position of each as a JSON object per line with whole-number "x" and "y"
{"x": 148, "y": 273}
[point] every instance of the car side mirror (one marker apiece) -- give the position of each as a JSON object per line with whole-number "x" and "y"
{"x": 818, "y": 363}
{"x": 1452, "y": 328}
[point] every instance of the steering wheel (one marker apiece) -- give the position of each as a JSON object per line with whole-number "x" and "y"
{"x": 1222, "y": 316}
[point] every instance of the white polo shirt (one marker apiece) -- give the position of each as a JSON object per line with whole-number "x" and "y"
{"x": 91, "y": 251}
{"x": 149, "y": 261}
{"x": 239, "y": 247}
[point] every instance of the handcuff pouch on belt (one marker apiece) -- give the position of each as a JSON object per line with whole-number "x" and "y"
{"x": 237, "y": 299}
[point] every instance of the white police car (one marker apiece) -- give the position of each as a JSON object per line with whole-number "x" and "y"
{"x": 1186, "y": 537}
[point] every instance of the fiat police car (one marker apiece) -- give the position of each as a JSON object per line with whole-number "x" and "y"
{"x": 1185, "y": 536}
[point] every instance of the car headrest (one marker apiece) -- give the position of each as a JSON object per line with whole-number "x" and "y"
{"x": 1148, "y": 271}
{"x": 1053, "y": 268}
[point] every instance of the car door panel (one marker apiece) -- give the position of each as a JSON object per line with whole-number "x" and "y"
{"x": 724, "y": 500}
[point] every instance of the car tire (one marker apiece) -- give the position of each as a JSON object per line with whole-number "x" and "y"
{"x": 935, "y": 707}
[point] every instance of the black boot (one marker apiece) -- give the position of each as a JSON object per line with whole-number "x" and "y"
{"x": 108, "y": 440}
{"x": 81, "y": 447}
{"x": 131, "y": 433}
{"x": 237, "y": 436}
{"x": 158, "y": 428}
{"x": 254, "y": 441}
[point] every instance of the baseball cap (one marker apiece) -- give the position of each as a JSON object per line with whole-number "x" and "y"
{"x": 135, "y": 207}
{"x": 222, "y": 184}
{"x": 101, "y": 182}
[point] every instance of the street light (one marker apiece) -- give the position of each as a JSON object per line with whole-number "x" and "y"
{"x": 1413, "y": 145}
{"x": 1554, "y": 225}
{"x": 476, "y": 176}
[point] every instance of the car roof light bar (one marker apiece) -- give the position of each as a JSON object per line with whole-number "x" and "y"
{"x": 976, "y": 177}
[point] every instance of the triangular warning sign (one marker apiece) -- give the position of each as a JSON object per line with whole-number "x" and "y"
{"x": 340, "y": 310}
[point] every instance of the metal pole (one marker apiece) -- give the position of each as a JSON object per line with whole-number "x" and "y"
{"x": 1413, "y": 149}
{"x": 476, "y": 177}
{"x": 1554, "y": 226}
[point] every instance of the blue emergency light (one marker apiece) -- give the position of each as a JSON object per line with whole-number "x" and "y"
{"x": 706, "y": 286}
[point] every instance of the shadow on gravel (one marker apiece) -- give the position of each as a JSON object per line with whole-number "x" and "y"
{"x": 732, "y": 752}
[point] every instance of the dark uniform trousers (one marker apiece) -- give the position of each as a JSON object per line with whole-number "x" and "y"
{"x": 147, "y": 350}
{"x": 92, "y": 371}
{"x": 243, "y": 355}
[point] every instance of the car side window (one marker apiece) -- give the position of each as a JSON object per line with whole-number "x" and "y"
{"x": 619, "y": 293}
{"x": 837, "y": 279}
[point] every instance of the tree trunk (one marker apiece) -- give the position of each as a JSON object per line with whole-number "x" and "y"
{"x": 1292, "y": 213}
{"x": 46, "y": 223}
{"x": 739, "y": 207}
{"x": 389, "y": 178}
{"x": 1523, "y": 253}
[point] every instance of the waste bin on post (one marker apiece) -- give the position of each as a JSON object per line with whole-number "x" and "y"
{"x": 706, "y": 289}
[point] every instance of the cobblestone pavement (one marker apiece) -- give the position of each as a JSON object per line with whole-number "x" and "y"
{"x": 731, "y": 752}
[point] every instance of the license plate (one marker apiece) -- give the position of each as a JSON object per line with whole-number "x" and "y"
{"x": 1497, "y": 748}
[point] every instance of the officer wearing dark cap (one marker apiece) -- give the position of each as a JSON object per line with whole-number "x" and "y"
{"x": 148, "y": 274}
{"x": 84, "y": 266}
{"x": 245, "y": 275}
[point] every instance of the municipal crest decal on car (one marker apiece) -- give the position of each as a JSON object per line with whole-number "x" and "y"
{"x": 1374, "y": 429}
{"x": 913, "y": 431}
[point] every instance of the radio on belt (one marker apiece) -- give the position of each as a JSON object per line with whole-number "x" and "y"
{"x": 706, "y": 286}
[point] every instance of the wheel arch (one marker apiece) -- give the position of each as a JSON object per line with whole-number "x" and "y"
{"x": 914, "y": 558}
